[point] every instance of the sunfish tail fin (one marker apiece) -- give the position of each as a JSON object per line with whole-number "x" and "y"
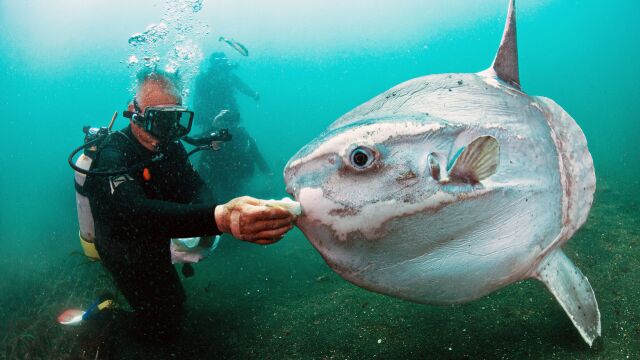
{"x": 573, "y": 291}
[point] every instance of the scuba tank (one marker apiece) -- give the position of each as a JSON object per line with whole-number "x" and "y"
{"x": 85, "y": 217}
{"x": 92, "y": 140}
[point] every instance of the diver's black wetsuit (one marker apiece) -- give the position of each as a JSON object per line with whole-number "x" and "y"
{"x": 135, "y": 220}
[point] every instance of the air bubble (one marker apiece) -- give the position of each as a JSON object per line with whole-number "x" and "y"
{"x": 132, "y": 60}
{"x": 171, "y": 42}
{"x": 196, "y": 6}
{"x": 153, "y": 34}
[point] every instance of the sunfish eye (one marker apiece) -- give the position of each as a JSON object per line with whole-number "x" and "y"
{"x": 362, "y": 157}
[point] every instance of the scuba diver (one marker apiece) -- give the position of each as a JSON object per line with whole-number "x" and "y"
{"x": 215, "y": 90}
{"x": 237, "y": 157}
{"x": 142, "y": 191}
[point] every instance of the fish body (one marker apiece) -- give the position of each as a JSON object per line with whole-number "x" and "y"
{"x": 448, "y": 187}
{"x": 235, "y": 45}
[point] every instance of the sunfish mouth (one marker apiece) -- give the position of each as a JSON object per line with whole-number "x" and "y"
{"x": 292, "y": 187}
{"x": 292, "y": 190}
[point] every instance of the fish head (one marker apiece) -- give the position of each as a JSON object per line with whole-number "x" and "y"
{"x": 356, "y": 182}
{"x": 399, "y": 148}
{"x": 369, "y": 162}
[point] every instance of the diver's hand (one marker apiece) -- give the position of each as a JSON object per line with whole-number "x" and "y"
{"x": 249, "y": 219}
{"x": 256, "y": 96}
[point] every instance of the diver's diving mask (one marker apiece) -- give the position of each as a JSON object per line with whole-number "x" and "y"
{"x": 166, "y": 123}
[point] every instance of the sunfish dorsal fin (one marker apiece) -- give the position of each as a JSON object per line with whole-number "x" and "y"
{"x": 477, "y": 161}
{"x": 505, "y": 64}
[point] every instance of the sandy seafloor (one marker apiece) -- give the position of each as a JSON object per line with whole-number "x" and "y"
{"x": 283, "y": 302}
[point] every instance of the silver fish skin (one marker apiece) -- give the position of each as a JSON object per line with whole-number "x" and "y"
{"x": 406, "y": 225}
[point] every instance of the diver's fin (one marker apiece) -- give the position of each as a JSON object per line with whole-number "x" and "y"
{"x": 573, "y": 292}
{"x": 505, "y": 64}
{"x": 477, "y": 161}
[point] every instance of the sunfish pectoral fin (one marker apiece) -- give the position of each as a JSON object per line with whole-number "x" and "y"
{"x": 573, "y": 291}
{"x": 476, "y": 161}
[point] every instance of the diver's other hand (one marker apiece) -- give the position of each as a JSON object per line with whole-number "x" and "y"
{"x": 249, "y": 219}
{"x": 216, "y": 145}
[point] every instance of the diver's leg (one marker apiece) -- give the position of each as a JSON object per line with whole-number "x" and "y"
{"x": 153, "y": 289}
{"x": 158, "y": 300}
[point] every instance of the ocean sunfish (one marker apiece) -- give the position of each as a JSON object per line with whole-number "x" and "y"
{"x": 448, "y": 187}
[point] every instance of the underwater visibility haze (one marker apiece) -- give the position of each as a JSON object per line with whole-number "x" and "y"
{"x": 67, "y": 64}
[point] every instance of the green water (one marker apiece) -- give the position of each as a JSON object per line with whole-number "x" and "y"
{"x": 63, "y": 65}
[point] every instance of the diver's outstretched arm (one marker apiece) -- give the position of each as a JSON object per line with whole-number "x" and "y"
{"x": 244, "y": 88}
